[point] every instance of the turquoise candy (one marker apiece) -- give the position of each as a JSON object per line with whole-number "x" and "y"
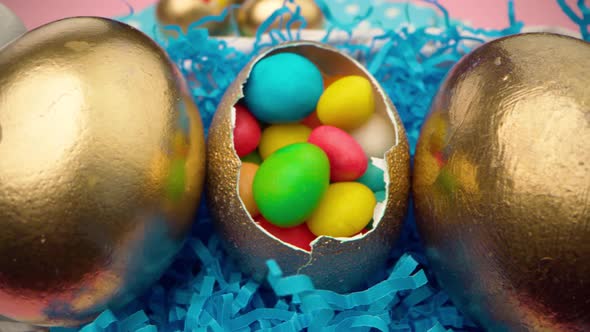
{"x": 283, "y": 88}
{"x": 374, "y": 178}
{"x": 380, "y": 196}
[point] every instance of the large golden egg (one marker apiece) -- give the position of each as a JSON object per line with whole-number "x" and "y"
{"x": 339, "y": 264}
{"x": 101, "y": 167}
{"x": 502, "y": 184}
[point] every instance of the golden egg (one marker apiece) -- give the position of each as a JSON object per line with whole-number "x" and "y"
{"x": 502, "y": 184}
{"x": 339, "y": 264}
{"x": 95, "y": 196}
{"x": 254, "y": 12}
{"x": 185, "y": 12}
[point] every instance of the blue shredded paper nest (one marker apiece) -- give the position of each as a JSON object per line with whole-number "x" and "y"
{"x": 204, "y": 291}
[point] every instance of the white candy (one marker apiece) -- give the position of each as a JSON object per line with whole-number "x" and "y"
{"x": 376, "y": 136}
{"x": 11, "y": 27}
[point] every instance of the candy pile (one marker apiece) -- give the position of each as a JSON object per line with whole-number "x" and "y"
{"x": 312, "y": 149}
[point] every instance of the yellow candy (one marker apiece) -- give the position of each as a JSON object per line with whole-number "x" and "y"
{"x": 280, "y": 135}
{"x": 345, "y": 210}
{"x": 347, "y": 103}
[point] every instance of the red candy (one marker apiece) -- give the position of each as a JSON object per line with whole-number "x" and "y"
{"x": 298, "y": 236}
{"x": 247, "y": 131}
{"x": 348, "y": 161}
{"x": 312, "y": 120}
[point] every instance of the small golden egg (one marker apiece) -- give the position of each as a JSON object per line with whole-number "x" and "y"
{"x": 339, "y": 264}
{"x": 502, "y": 182}
{"x": 254, "y": 12}
{"x": 102, "y": 161}
{"x": 185, "y": 12}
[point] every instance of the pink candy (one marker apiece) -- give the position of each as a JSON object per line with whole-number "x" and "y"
{"x": 348, "y": 161}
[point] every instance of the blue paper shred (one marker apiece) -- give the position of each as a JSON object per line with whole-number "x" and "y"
{"x": 204, "y": 290}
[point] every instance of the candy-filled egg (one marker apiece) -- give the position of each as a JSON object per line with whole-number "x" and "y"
{"x": 292, "y": 185}
{"x": 502, "y": 184}
{"x": 101, "y": 169}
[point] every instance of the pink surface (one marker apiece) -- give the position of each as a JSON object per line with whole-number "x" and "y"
{"x": 481, "y": 13}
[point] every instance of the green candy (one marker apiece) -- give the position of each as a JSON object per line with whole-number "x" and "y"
{"x": 252, "y": 157}
{"x": 373, "y": 178}
{"x": 290, "y": 183}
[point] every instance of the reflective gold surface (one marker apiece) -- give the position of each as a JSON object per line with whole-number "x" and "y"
{"x": 333, "y": 263}
{"x": 185, "y": 12}
{"x": 502, "y": 184}
{"x": 254, "y": 12}
{"x": 101, "y": 168}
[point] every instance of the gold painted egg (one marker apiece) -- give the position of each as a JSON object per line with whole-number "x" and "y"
{"x": 254, "y": 12}
{"x": 185, "y": 12}
{"x": 102, "y": 160}
{"x": 502, "y": 183}
{"x": 340, "y": 264}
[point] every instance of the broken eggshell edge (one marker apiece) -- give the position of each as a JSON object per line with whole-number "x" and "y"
{"x": 338, "y": 264}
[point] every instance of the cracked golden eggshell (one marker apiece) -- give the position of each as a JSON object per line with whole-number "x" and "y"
{"x": 102, "y": 160}
{"x": 338, "y": 264}
{"x": 502, "y": 184}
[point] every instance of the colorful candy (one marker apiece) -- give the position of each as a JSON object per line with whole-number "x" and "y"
{"x": 348, "y": 162}
{"x": 347, "y": 103}
{"x": 329, "y": 79}
{"x": 374, "y": 177}
{"x": 246, "y": 132}
{"x": 252, "y": 157}
{"x": 345, "y": 210}
{"x": 312, "y": 120}
{"x": 283, "y": 88}
{"x": 290, "y": 184}
{"x": 299, "y": 236}
{"x": 376, "y": 136}
{"x": 247, "y": 173}
{"x": 314, "y": 178}
{"x": 380, "y": 196}
{"x": 280, "y": 135}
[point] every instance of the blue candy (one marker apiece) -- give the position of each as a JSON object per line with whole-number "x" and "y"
{"x": 283, "y": 88}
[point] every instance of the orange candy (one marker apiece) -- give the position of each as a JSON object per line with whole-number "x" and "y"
{"x": 247, "y": 173}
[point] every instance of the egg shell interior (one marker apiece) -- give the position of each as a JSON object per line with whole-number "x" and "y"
{"x": 340, "y": 264}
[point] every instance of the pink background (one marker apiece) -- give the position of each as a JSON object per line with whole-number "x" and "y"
{"x": 481, "y": 13}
